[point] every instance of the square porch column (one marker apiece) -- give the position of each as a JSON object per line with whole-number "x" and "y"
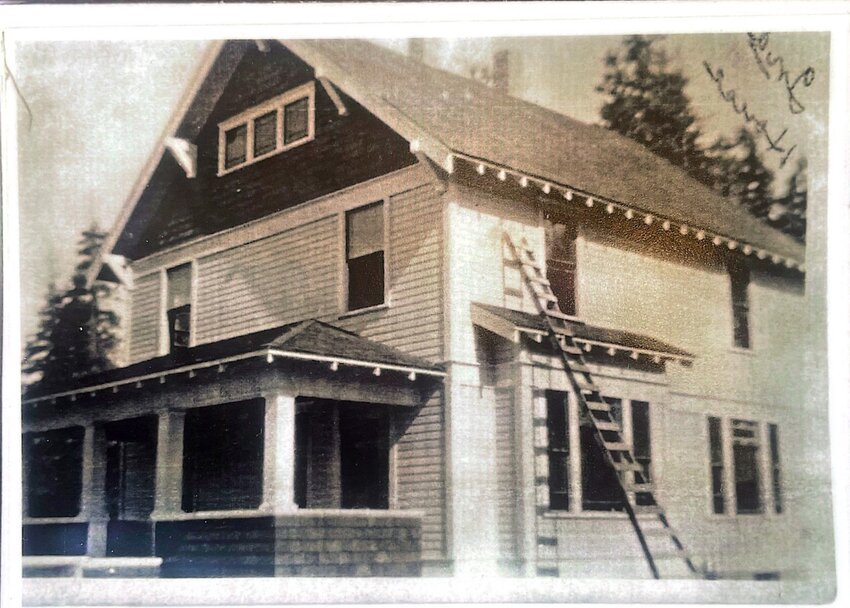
{"x": 279, "y": 454}
{"x": 169, "y": 464}
{"x": 93, "y": 488}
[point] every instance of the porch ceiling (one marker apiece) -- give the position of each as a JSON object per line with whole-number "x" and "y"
{"x": 310, "y": 340}
{"x": 510, "y": 323}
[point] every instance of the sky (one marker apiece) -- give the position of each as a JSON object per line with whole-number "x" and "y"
{"x": 96, "y": 111}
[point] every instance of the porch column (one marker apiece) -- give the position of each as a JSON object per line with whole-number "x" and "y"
{"x": 93, "y": 486}
{"x": 169, "y": 464}
{"x": 279, "y": 454}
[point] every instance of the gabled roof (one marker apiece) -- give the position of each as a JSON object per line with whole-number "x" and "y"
{"x": 448, "y": 117}
{"x": 310, "y": 340}
{"x": 476, "y": 122}
{"x": 491, "y": 317}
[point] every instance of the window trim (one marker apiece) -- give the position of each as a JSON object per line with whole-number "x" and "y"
{"x": 345, "y": 311}
{"x": 275, "y": 104}
{"x": 767, "y": 499}
{"x": 164, "y": 329}
{"x": 735, "y": 272}
{"x": 576, "y": 491}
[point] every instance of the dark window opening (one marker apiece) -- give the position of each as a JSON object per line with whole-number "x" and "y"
{"x": 235, "y": 146}
{"x": 557, "y": 427}
{"x": 265, "y": 133}
{"x": 364, "y": 460}
{"x": 223, "y": 457}
{"x": 601, "y": 490}
{"x": 178, "y": 306}
{"x": 53, "y": 464}
{"x": 561, "y": 264}
{"x": 745, "y": 448}
{"x": 295, "y": 121}
{"x": 776, "y": 473}
{"x": 342, "y": 457}
{"x": 365, "y": 256}
{"x": 740, "y": 281}
{"x": 715, "y": 442}
{"x": 130, "y": 468}
{"x": 642, "y": 446}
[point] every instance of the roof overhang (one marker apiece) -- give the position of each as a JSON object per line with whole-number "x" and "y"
{"x": 270, "y": 355}
{"x": 513, "y": 331}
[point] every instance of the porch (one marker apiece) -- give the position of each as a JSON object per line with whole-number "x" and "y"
{"x": 261, "y": 467}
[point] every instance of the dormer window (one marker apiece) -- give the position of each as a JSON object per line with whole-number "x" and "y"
{"x": 274, "y": 126}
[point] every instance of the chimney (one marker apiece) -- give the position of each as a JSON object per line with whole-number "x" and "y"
{"x": 501, "y": 71}
{"x": 416, "y": 49}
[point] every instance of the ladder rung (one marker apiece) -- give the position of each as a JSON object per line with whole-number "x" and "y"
{"x": 672, "y": 553}
{"x": 627, "y": 466}
{"x": 604, "y": 425}
{"x": 587, "y": 387}
{"x": 579, "y": 368}
{"x": 557, "y": 314}
{"x": 616, "y": 446}
{"x": 648, "y": 509}
{"x": 571, "y": 349}
{"x": 656, "y": 532}
{"x": 640, "y": 488}
{"x": 547, "y": 296}
{"x": 599, "y": 406}
{"x": 540, "y": 280}
{"x": 563, "y": 331}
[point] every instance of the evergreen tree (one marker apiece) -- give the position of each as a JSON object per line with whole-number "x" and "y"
{"x": 646, "y": 101}
{"x": 76, "y": 334}
{"x": 741, "y": 174}
{"x": 788, "y": 213}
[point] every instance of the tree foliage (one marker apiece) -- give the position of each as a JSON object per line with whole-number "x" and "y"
{"x": 645, "y": 100}
{"x": 76, "y": 331}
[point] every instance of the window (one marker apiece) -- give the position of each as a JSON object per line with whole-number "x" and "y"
{"x": 600, "y": 489}
{"x": 364, "y": 255}
{"x": 715, "y": 442}
{"x": 223, "y": 456}
{"x": 557, "y": 426}
{"x": 267, "y": 129}
{"x": 178, "y": 306}
{"x": 740, "y": 281}
{"x": 742, "y": 483}
{"x": 53, "y": 463}
{"x": 745, "y": 453}
{"x": 773, "y": 434}
{"x": 342, "y": 455}
{"x": 561, "y": 264}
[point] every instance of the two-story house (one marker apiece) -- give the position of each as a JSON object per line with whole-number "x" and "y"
{"x": 385, "y": 320}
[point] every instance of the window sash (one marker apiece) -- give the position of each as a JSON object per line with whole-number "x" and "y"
{"x": 715, "y": 442}
{"x": 558, "y": 428}
{"x": 740, "y": 281}
{"x": 364, "y": 230}
{"x": 775, "y": 470}
{"x": 179, "y": 286}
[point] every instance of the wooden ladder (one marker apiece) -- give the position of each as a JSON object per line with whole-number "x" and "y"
{"x": 658, "y": 540}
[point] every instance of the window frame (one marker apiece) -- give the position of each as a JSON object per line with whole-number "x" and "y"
{"x": 572, "y": 228}
{"x": 164, "y": 327}
{"x": 345, "y": 311}
{"x": 276, "y": 104}
{"x": 575, "y": 496}
{"x": 740, "y": 278}
{"x": 765, "y": 468}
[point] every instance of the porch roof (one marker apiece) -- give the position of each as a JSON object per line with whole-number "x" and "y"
{"x": 510, "y": 323}
{"x": 309, "y": 340}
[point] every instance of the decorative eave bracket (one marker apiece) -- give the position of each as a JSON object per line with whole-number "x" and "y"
{"x": 185, "y": 153}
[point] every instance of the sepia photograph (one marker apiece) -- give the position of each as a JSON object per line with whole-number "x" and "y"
{"x": 526, "y": 308}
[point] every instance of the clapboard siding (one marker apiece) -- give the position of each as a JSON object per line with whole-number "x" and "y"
{"x": 144, "y": 318}
{"x": 413, "y": 321}
{"x": 277, "y": 280}
{"x": 420, "y": 473}
{"x": 506, "y": 476}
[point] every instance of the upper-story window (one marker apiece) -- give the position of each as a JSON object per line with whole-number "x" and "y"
{"x": 739, "y": 276}
{"x": 364, "y": 256}
{"x": 178, "y": 305}
{"x": 267, "y": 129}
{"x": 561, "y": 264}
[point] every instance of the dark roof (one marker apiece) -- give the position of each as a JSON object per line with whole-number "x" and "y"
{"x": 472, "y": 119}
{"x": 309, "y": 337}
{"x": 583, "y": 331}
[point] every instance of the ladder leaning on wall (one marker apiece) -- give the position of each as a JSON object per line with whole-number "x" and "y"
{"x": 658, "y": 540}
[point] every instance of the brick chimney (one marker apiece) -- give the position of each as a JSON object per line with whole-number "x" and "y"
{"x": 501, "y": 70}
{"x": 416, "y": 49}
